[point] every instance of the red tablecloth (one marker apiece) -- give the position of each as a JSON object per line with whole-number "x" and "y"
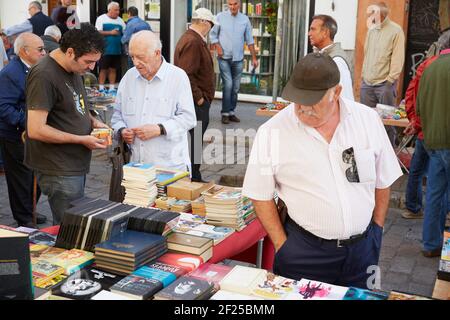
{"x": 241, "y": 246}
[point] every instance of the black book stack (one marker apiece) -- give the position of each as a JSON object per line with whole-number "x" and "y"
{"x": 153, "y": 221}
{"x": 91, "y": 221}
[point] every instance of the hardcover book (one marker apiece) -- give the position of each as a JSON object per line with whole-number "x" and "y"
{"x": 166, "y": 278}
{"x": 136, "y": 287}
{"x": 211, "y": 272}
{"x": 185, "y": 261}
{"x": 15, "y": 266}
{"x": 73, "y": 260}
{"x": 188, "y": 243}
{"x": 186, "y": 288}
{"x": 242, "y": 279}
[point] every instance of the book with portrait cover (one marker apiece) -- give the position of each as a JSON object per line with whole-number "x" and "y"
{"x": 136, "y": 287}
{"x": 316, "y": 290}
{"x": 187, "y": 288}
{"x": 15, "y": 266}
{"x": 85, "y": 283}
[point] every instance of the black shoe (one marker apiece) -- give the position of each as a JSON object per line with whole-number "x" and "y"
{"x": 233, "y": 118}
{"x": 40, "y": 218}
{"x": 225, "y": 119}
{"x": 432, "y": 253}
{"x": 199, "y": 180}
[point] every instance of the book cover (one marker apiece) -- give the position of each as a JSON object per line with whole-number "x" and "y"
{"x": 274, "y": 287}
{"x": 52, "y": 282}
{"x": 363, "y": 294}
{"x": 41, "y": 237}
{"x": 395, "y": 295}
{"x": 85, "y": 283}
{"x": 45, "y": 269}
{"x": 186, "y": 261}
{"x": 44, "y": 252}
{"x": 15, "y": 266}
{"x": 242, "y": 279}
{"x": 137, "y": 287}
{"x": 73, "y": 260}
{"x": 444, "y": 270}
{"x": 211, "y": 272}
{"x": 165, "y": 277}
{"x": 186, "y": 288}
{"x": 188, "y": 243}
{"x": 131, "y": 243}
{"x": 107, "y": 295}
{"x": 446, "y": 246}
{"x": 316, "y": 290}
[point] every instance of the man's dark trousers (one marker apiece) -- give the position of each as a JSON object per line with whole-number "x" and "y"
{"x": 19, "y": 179}
{"x": 303, "y": 256}
{"x": 202, "y": 113}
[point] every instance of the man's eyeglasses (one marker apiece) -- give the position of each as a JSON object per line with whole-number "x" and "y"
{"x": 39, "y": 49}
{"x": 348, "y": 157}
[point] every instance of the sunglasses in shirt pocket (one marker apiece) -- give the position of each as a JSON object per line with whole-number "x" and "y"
{"x": 365, "y": 162}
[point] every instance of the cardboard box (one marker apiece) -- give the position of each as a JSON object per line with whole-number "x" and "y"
{"x": 187, "y": 190}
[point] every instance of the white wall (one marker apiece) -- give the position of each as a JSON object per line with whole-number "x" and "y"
{"x": 83, "y": 11}
{"x": 14, "y": 12}
{"x": 345, "y": 14}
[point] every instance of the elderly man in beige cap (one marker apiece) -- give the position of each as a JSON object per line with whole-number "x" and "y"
{"x": 193, "y": 56}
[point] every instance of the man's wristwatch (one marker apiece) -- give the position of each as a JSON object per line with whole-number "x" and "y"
{"x": 162, "y": 131}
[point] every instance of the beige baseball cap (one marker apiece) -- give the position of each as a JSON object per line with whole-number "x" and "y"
{"x": 204, "y": 14}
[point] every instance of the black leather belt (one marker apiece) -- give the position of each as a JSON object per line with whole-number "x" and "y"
{"x": 339, "y": 243}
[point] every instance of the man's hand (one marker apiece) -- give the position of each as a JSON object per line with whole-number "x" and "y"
{"x": 114, "y": 32}
{"x": 255, "y": 62}
{"x": 128, "y": 135}
{"x": 97, "y": 124}
{"x": 147, "y": 132}
{"x": 410, "y": 130}
{"x": 219, "y": 50}
{"x": 200, "y": 102}
{"x": 92, "y": 142}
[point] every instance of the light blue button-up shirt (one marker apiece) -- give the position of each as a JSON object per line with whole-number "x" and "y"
{"x": 165, "y": 99}
{"x": 231, "y": 34}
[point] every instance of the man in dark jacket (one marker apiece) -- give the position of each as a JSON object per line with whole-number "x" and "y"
{"x": 193, "y": 56}
{"x": 29, "y": 49}
{"x": 36, "y": 24}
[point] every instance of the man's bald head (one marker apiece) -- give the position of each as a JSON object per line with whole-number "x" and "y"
{"x": 146, "y": 41}
{"x": 29, "y": 47}
{"x": 145, "y": 51}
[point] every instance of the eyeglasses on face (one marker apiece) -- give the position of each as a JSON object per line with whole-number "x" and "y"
{"x": 348, "y": 157}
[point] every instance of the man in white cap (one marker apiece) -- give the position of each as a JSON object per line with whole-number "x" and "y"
{"x": 193, "y": 56}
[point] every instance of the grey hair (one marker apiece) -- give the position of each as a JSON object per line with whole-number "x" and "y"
{"x": 150, "y": 38}
{"x": 113, "y": 4}
{"x": 20, "y": 42}
{"x": 36, "y": 4}
{"x": 52, "y": 31}
{"x": 444, "y": 40}
{"x": 329, "y": 23}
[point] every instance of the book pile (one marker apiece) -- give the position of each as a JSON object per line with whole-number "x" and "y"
{"x": 152, "y": 220}
{"x": 43, "y": 271}
{"x": 129, "y": 250}
{"x": 187, "y": 288}
{"x": 444, "y": 263}
{"x": 186, "y": 243}
{"x": 165, "y": 203}
{"x": 187, "y": 190}
{"x": 139, "y": 181}
{"x": 92, "y": 221}
{"x": 198, "y": 206}
{"x": 165, "y": 177}
{"x": 196, "y": 226}
{"x": 181, "y": 206}
{"x": 227, "y": 207}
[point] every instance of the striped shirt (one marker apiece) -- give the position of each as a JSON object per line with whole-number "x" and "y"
{"x": 309, "y": 174}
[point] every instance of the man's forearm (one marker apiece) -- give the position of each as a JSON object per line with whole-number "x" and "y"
{"x": 49, "y": 134}
{"x": 382, "y": 197}
{"x": 252, "y": 51}
{"x": 268, "y": 215}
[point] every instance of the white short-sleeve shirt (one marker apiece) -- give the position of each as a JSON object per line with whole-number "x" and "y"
{"x": 309, "y": 174}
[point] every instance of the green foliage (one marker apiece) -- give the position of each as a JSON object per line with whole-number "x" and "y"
{"x": 271, "y": 10}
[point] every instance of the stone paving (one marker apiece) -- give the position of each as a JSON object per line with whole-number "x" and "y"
{"x": 402, "y": 266}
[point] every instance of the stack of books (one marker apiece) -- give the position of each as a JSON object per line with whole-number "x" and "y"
{"x": 165, "y": 177}
{"x": 92, "y": 221}
{"x": 181, "y": 206}
{"x": 43, "y": 271}
{"x": 198, "y": 206}
{"x": 227, "y": 207}
{"x": 195, "y": 225}
{"x": 139, "y": 180}
{"x": 152, "y": 220}
{"x": 186, "y": 243}
{"x": 128, "y": 251}
{"x": 165, "y": 203}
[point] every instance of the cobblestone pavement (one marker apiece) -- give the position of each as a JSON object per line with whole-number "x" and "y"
{"x": 402, "y": 266}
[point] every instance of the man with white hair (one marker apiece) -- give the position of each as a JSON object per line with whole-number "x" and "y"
{"x": 111, "y": 26}
{"x": 36, "y": 24}
{"x": 29, "y": 49}
{"x": 154, "y": 107}
{"x": 51, "y": 38}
